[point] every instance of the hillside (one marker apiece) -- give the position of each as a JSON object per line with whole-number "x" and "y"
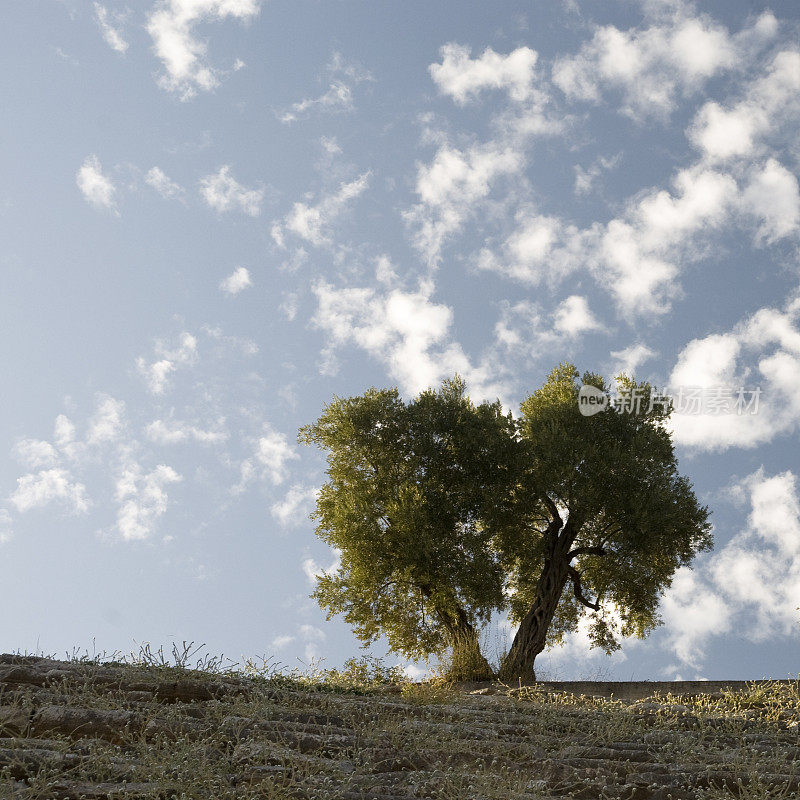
{"x": 82, "y": 729}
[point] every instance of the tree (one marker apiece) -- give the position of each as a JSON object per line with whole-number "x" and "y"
{"x": 408, "y": 488}
{"x": 446, "y": 512}
{"x": 608, "y": 515}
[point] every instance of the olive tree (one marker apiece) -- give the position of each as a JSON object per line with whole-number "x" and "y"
{"x": 606, "y": 519}
{"x": 408, "y": 487}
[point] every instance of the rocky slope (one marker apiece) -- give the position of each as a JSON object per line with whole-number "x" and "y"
{"x": 72, "y": 730}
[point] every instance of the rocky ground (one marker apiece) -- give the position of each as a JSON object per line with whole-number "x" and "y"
{"x": 83, "y": 729}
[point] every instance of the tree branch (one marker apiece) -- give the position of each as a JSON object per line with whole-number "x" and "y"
{"x": 552, "y": 508}
{"x": 576, "y": 585}
{"x": 586, "y": 551}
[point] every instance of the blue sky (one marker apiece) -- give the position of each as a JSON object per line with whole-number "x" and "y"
{"x": 217, "y": 214}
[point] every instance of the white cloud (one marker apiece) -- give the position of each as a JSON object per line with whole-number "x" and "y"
{"x": 585, "y": 178}
{"x": 313, "y": 571}
{"x": 574, "y": 317}
{"x": 171, "y": 24}
{"x": 754, "y": 580}
{"x": 313, "y": 638}
{"x": 524, "y": 328}
{"x": 295, "y": 506}
{"x": 539, "y": 248}
{"x": 97, "y": 188}
{"x": 405, "y": 330}
{"x": 770, "y": 102}
{"x": 760, "y": 353}
{"x": 639, "y": 254}
{"x": 34, "y": 453}
{"x": 692, "y": 613}
{"x": 635, "y": 256}
{"x": 237, "y": 281}
{"x": 5, "y": 525}
{"x": 142, "y": 499}
{"x": 108, "y": 420}
{"x": 463, "y": 78}
{"x": 39, "y": 489}
{"x": 176, "y": 432}
{"x": 157, "y": 179}
{"x": 450, "y": 189}
{"x": 338, "y": 96}
{"x": 629, "y": 359}
{"x": 223, "y": 192}
{"x": 63, "y": 431}
{"x": 652, "y": 66}
{"x": 270, "y": 461}
{"x": 312, "y": 222}
{"x": 112, "y": 36}
{"x": 156, "y": 373}
{"x": 282, "y": 641}
{"x": 773, "y": 196}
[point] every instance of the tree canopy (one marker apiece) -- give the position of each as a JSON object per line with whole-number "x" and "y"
{"x": 409, "y": 485}
{"x": 446, "y": 512}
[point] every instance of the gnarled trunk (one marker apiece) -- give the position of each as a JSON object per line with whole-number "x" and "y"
{"x": 467, "y": 663}
{"x": 532, "y": 633}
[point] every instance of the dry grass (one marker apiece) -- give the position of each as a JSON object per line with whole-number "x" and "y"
{"x": 363, "y": 732}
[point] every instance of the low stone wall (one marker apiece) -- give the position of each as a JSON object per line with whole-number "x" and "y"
{"x": 636, "y": 690}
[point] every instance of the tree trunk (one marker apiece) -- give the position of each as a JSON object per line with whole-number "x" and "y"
{"x": 532, "y": 633}
{"x": 467, "y": 663}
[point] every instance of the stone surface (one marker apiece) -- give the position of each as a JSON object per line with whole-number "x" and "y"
{"x": 98, "y": 732}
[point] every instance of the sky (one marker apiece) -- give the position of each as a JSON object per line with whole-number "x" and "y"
{"x": 215, "y": 215}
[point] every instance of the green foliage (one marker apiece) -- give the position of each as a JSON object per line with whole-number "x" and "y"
{"x": 408, "y": 491}
{"x": 446, "y": 512}
{"x": 614, "y": 476}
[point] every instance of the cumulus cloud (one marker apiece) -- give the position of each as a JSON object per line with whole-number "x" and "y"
{"x": 343, "y": 77}
{"x": 635, "y": 256}
{"x": 156, "y": 373}
{"x": 405, "y": 330}
{"x": 237, "y": 281}
{"x": 5, "y": 525}
{"x": 47, "y": 486}
{"x": 142, "y": 499}
{"x": 464, "y": 78}
{"x": 270, "y": 460}
{"x": 753, "y": 580}
{"x": 628, "y": 360}
{"x": 771, "y": 102}
{"x": 273, "y": 452}
{"x": 97, "y": 188}
{"x": 108, "y": 420}
{"x": 223, "y": 192}
{"x": 651, "y": 67}
{"x": 35, "y": 453}
{"x": 450, "y": 189}
{"x": 295, "y": 507}
{"x": 111, "y": 35}
{"x": 157, "y": 179}
{"x": 171, "y": 25}
{"x": 761, "y": 353}
{"x": 539, "y": 248}
{"x": 177, "y": 432}
{"x": 524, "y": 328}
{"x": 312, "y": 222}
{"x": 773, "y": 197}
{"x": 313, "y": 571}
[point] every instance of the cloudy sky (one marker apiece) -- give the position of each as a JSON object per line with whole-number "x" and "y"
{"x": 217, "y": 214}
